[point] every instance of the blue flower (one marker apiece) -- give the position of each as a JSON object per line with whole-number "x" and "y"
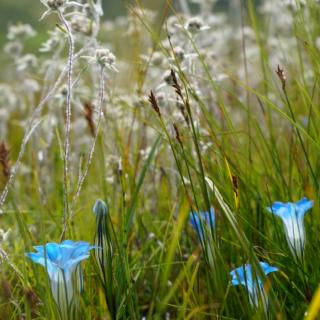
{"x": 292, "y": 215}
{"x": 62, "y": 262}
{"x": 201, "y": 220}
{"x": 244, "y": 276}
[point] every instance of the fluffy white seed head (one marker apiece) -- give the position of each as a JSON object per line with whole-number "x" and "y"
{"x": 194, "y": 24}
{"x": 105, "y": 57}
{"x": 55, "y": 4}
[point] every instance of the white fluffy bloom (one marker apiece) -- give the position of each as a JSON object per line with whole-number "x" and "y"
{"x": 20, "y": 31}
{"x": 58, "y": 6}
{"x": 13, "y": 48}
{"x": 195, "y": 24}
{"x": 103, "y": 57}
{"x": 26, "y": 62}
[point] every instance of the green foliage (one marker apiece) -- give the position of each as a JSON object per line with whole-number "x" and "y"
{"x": 238, "y": 146}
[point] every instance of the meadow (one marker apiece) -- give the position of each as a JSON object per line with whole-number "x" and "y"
{"x": 163, "y": 164}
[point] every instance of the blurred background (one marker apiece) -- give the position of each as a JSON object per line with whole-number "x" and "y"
{"x": 13, "y": 11}
{"x": 29, "y": 11}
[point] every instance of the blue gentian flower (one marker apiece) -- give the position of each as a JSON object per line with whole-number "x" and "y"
{"x": 62, "y": 262}
{"x": 292, "y": 215}
{"x": 244, "y": 276}
{"x": 202, "y": 220}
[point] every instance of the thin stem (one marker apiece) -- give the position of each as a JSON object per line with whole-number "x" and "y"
{"x": 31, "y": 126}
{"x": 90, "y": 157}
{"x": 245, "y": 63}
{"x": 16, "y": 166}
{"x": 85, "y": 173}
{"x": 68, "y": 118}
{"x": 300, "y": 139}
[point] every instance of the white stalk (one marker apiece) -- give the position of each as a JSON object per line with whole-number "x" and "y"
{"x": 90, "y": 157}
{"x": 68, "y": 116}
{"x": 32, "y": 126}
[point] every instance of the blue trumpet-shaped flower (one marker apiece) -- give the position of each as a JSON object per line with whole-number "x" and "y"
{"x": 61, "y": 261}
{"x": 200, "y": 220}
{"x": 245, "y": 277}
{"x": 292, "y": 215}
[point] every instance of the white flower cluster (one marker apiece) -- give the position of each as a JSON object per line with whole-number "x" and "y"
{"x": 104, "y": 58}
{"x": 20, "y": 32}
{"x": 54, "y": 4}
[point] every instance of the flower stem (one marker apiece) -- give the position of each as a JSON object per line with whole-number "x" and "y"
{"x": 300, "y": 139}
{"x": 91, "y": 152}
{"x": 68, "y": 119}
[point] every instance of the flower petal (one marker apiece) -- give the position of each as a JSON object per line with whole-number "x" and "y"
{"x": 267, "y": 268}
{"x": 303, "y": 206}
{"x": 36, "y": 257}
{"x": 53, "y": 252}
